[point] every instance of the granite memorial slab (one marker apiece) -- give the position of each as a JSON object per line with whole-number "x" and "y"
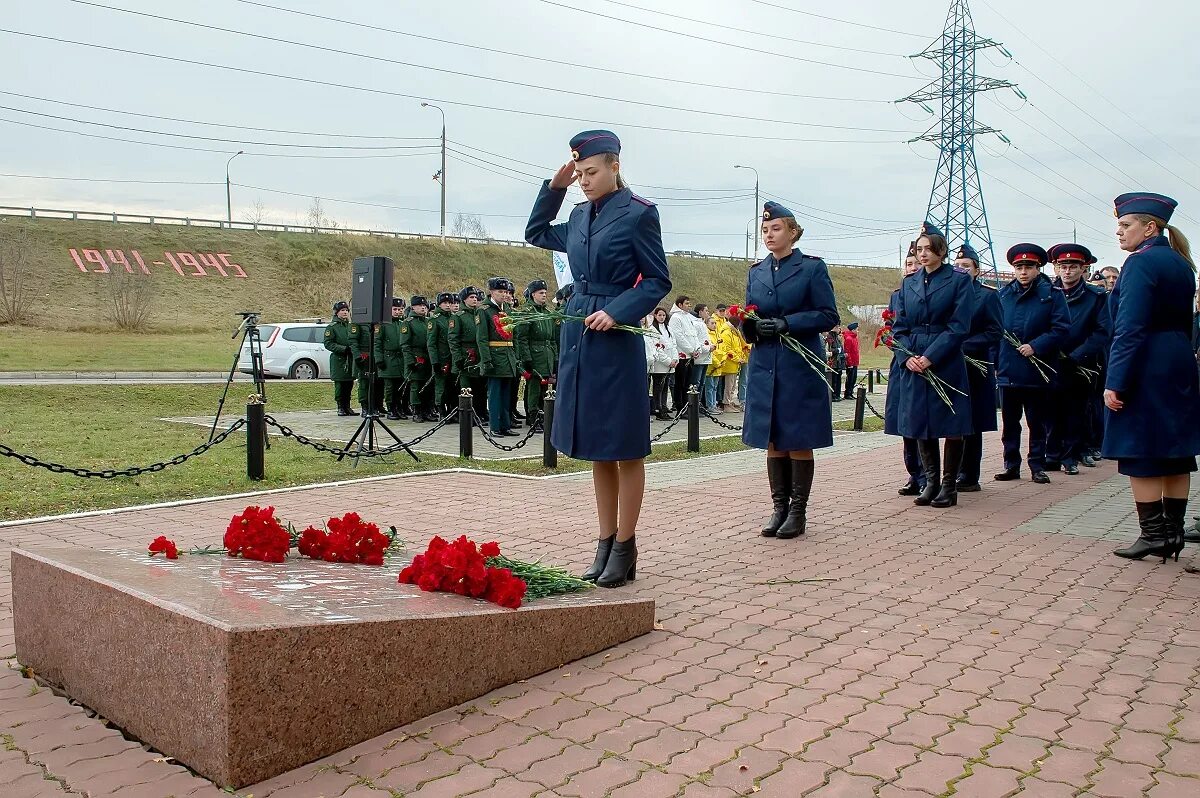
{"x": 242, "y": 670}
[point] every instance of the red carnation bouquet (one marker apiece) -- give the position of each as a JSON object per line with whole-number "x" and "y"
{"x": 482, "y": 572}
{"x": 348, "y": 539}
{"x": 160, "y": 545}
{"x": 741, "y": 313}
{"x": 502, "y": 326}
{"x": 942, "y": 388}
{"x": 256, "y": 534}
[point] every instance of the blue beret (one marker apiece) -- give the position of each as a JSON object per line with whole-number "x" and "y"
{"x": 930, "y": 229}
{"x": 594, "y": 142}
{"x": 1155, "y": 205}
{"x": 1071, "y": 252}
{"x": 341, "y": 304}
{"x": 1026, "y": 254}
{"x": 773, "y": 210}
{"x": 968, "y": 251}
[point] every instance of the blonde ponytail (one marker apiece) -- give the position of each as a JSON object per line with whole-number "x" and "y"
{"x": 1180, "y": 244}
{"x": 611, "y": 158}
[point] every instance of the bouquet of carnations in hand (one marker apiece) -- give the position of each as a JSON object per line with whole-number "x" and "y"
{"x": 940, "y": 386}
{"x": 741, "y": 313}
{"x": 1039, "y": 364}
{"x": 507, "y": 322}
{"x": 481, "y": 572}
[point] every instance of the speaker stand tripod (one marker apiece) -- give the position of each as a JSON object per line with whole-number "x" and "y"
{"x": 365, "y": 435}
{"x": 249, "y": 330}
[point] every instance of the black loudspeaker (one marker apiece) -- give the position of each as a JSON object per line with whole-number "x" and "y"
{"x": 371, "y": 290}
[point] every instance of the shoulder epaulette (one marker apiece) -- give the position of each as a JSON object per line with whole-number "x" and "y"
{"x": 1095, "y": 289}
{"x": 642, "y": 200}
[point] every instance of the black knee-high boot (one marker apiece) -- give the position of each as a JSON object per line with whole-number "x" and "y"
{"x": 1175, "y": 513}
{"x": 779, "y": 476}
{"x": 931, "y": 459}
{"x": 948, "y": 495}
{"x": 1153, "y": 539}
{"x": 802, "y": 478}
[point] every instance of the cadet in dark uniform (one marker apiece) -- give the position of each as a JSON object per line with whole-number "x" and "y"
{"x": 788, "y": 410}
{"x": 464, "y": 349}
{"x": 537, "y": 350}
{"x": 341, "y": 357}
{"x": 1036, "y": 315}
{"x": 981, "y": 343}
{"x": 933, "y": 318}
{"x": 1086, "y": 342}
{"x": 1151, "y": 392}
{"x": 497, "y": 355}
{"x": 389, "y": 360}
{"x": 414, "y": 341}
{"x": 445, "y": 377}
{"x": 912, "y": 461}
{"x": 370, "y": 387}
{"x": 614, "y": 243}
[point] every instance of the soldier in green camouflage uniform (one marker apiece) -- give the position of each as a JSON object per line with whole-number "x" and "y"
{"x": 498, "y": 355}
{"x": 389, "y": 360}
{"x": 416, "y": 357}
{"x": 464, "y": 349}
{"x": 369, "y": 384}
{"x": 537, "y": 350}
{"x": 341, "y": 358}
{"x": 445, "y": 375}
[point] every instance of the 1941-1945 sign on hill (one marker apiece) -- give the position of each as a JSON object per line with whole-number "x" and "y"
{"x": 185, "y": 264}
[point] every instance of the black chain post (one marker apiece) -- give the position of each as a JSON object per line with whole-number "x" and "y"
{"x": 860, "y": 406}
{"x": 466, "y": 420}
{"x": 549, "y": 453}
{"x": 870, "y": 380}
{"x": 256, "y": 437}
{"x": 693, "y": 411}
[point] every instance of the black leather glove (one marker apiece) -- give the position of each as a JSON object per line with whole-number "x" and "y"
{"x": 750, "y": 330}
{"x": 768, "y": 328}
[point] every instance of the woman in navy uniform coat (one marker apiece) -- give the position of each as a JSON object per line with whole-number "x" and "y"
{"x": 981, "y": 343}
{"x": 788, "y": 410}
{"x": 614, "y": 244}
{"x": 912, "y": 461}
{"x": 1151, "y": 391}
{"x": 933, "y": 317}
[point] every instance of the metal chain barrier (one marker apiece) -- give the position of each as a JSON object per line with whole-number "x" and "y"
{"x": 704, "y": 411}
{"x": 871, "y": 407}
{"x": 340, "y": 451}
{"x": 679, "y": 417}
{"x": 133, "y": 471}
{"x": 504, "y": 447}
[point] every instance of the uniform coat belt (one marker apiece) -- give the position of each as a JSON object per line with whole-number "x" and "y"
{"x": 929, "y": 328}
{"x": 598, "y": 289}
{"x": 500, "y": 343}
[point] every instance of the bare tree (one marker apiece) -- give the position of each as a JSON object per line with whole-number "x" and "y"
{"x": 130, "y": 300}
{"x": 257, "y": 213}
{"x": 16, "y": 278}
{"x": 317, "y": 218}
{"x": 469, "y": 225}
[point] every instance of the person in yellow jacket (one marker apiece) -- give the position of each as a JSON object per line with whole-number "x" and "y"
{"x": 729, "y": 353}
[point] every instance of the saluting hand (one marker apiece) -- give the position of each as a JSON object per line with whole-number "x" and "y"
{"x": 599, "y": 321}
{"x": 564, "y": 177}
{"x": 1112, "y": 401}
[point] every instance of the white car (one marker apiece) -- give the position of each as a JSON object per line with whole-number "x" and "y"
{"x": 295, "y": 350}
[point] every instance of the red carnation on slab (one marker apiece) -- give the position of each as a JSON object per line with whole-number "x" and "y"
{"x": 256, "y": 534}
{"x": 160, "y": 545}
{"x": 461, "y": 567}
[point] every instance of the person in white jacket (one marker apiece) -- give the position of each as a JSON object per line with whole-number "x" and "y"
{"x": 662, "y": 356}
{"x": 689, "y": 332}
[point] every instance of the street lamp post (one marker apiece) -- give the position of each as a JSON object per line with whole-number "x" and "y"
{"x": 1074, "y": 230}
{"x": 442, "y": 173}
{"x": 756, "y": 206}
{"x": 228, "y": 194}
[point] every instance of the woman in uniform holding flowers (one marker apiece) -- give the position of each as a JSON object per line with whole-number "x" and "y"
{"x": 789, "y": 305}
{"x": 619, "y": 269}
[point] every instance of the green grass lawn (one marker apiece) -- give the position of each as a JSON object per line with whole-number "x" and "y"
{"x": 110, "y": 350}
{"x": 116, "y": 426}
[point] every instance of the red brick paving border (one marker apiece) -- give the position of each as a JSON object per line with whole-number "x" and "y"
{"x": 947, "y": 653}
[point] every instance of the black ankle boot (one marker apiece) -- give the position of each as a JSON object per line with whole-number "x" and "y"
{"x": 797, "y": 517}
{"x": 1175, "y": 514}
{"x": 779, "y": 476}
{"x": 948, "y": 495}
{"x": 603, "y": 547}
{"x": 622, "y": 564}
{"x": 1153, "y": 539}
{"x": 910, "y": 488}
{"x": 931, "y": 460}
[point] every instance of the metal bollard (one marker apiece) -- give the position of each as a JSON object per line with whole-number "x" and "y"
{"x": 870, "y": 380}
{"x": 693, "y": 411}
{"x": 860, "y": 408}
{"x": 549, "y": 453}
{"x": 466, "y": 422}
{"x": 256, "y": 438}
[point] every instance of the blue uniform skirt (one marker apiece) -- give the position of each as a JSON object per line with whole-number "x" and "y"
{"x": 1155, "y": 466}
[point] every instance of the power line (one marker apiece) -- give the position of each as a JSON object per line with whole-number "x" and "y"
{"x": 1039, "y": 201}
{"x": 557, "y": 62}
{"x": 118, "y": 180}
{"x": 591, "y": 12}
{"x": 757, "y": 33}
{"x": 835, "y": 19}
{"x": 385, "y": 92}
{"x": 476, "y": 76}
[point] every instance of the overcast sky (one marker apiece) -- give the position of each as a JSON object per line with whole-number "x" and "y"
{"x": 845, "y": 159}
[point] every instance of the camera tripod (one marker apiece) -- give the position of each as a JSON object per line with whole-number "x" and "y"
{"x": 364, "y": 436}
{"x": 249, "y": 330}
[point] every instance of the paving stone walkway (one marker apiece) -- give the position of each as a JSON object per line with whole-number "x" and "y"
{"x": 970, "y": 651}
